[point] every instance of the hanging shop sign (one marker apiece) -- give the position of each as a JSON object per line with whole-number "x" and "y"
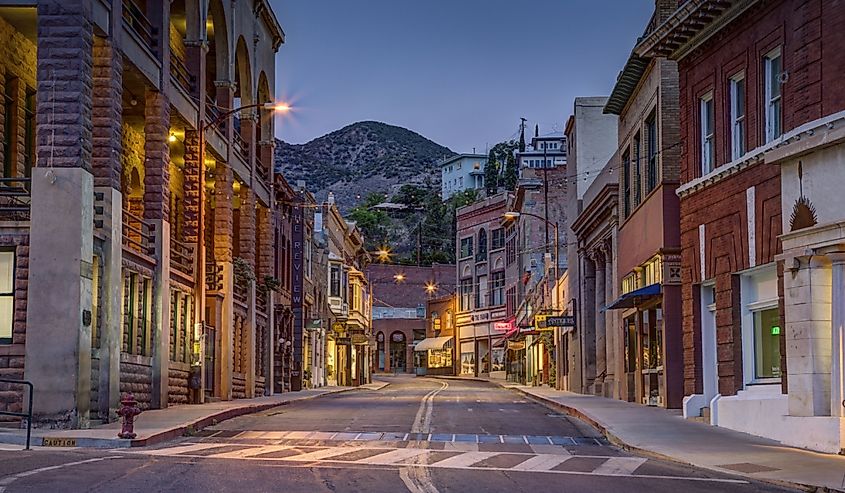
{"x": 516, "y": 345}
{"x": 503, "y": 326}
{"x": 359, "y": 339}
{"x": 338, "y": 327}
{"x": 561, "y": 321}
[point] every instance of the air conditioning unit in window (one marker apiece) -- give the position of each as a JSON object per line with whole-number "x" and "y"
{"x": 533, "y": 263}
{"x": 345, "y": 309}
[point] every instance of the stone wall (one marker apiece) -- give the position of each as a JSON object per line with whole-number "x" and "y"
{"x": 136, "y": 376}
{"x": 177, "y": 383}
{"x": 238, "y": 385}
{"x": 18, "y": 57}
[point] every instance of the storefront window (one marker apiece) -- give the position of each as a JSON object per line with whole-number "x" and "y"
{"x": 7, "y": 295}
{"x": 767, "y": 343}
{"x": 467, "y": 358}
{"x": 498, "y": 359}
{"x": 380, "y": 344}
{"x": 630, "y": 344}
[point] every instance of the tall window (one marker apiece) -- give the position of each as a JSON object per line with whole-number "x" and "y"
{"x": 29, "y": 133}
{"x": 737, "y": 89}
{"x": 334, "y": 281}
{"x": 497, "y": 288}
{"x": 767, "y": 343}
{"x": 772, "y": 69}
{"x": 626, "y": 182}
{"x": 498, "y": 239}
{"x": 466, "y": 295}
{"x": 651, "y": 142}
{"x": 481, "y": 292}
{"x": 706, "y": 122}
{"x": 482, "y": 245}
{"x": 7, "y": 295}
{"x": 8, "y": 127}
{"x": 637, "y": 174}
{"x": 466, "y": 247}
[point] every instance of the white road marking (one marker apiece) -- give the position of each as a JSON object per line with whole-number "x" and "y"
{"x": 541, "y": 462}
{"x": 196, "y": 447}
{"x": 549, "y": 450}
{"x": 249, "y": 452}
{"x": 620, "y": 465}
{"x": 466, "y": 459}
{"x": 325, "y": 454}
{"x": 6, "y": 481}
{"x": 418, "y": 479}
{"x": 393, "y": 456}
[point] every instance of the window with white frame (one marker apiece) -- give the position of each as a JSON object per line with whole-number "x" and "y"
{"x": 772, "y": 70}
{"x": 7, "y": 295}
{"x": 737, "y": 123}
{"x": 706, "y": 122}
{"x": 761, "y": 329}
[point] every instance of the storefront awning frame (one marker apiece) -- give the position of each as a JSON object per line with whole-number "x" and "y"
{"x": 432, "y": 343}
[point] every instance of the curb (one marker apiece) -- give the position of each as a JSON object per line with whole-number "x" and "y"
{"x": 175, "y": 432}
{"x": 615, "y": 440}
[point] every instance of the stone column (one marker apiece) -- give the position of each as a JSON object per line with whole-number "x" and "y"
{"x": 588, "y": 323}
{"x": 157, "y": 212}
{"x": 264, "y": 261}
{"x": 248, "y": 130}
{"x": 264, "y": 157}
{"x": 601, "y": 339}
{"x": 610, "y": 327}
{"x": 107, "y": 168}
{"x": 247, "y": 252}
{"x": 58, "y": 334}
{"x": 223, "y": 225}
{"x": 225, "y": 96}
{"x": 837, "y": 319}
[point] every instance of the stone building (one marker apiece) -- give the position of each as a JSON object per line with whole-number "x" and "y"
{"x": 591, "y": 140}
{"x": 437, "y": 350}
{"x": 761, "y": 112}
{"x": 645, "y": 316}
{"x": 138, "y": 241}
{"x": 480, "y": 318}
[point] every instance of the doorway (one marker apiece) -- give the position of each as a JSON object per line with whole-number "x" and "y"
{"x": 398, "y": 348}
{"x": 709, "y": 360}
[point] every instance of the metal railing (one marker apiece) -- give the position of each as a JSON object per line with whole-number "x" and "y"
{"x": 180, "y": 73}
{"x": 134, "y": 17}
{"x": 263, "y": 171}
{"x": 15, "y": 198}
{"x": 138, "y": 234}
{"x": 212, "y": 112}
{"x": 239, "y": 293}
{"x": 241, "y": 146}
{"x": 182, "y": 257}
{"x": 28, "y": 413}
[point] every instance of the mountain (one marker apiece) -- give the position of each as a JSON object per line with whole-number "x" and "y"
{"x": 359, "y": 159}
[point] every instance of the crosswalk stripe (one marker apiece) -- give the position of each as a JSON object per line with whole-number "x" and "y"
{"x": 620, "y": 465}
{"x": 196, "y": 447}
{"x": 393, "y": 456}
{"x": 249, "y": 452}
{"x": 324, "y": 454}
{"x": 465, "y": 460}
{"x": 541, "y": 462}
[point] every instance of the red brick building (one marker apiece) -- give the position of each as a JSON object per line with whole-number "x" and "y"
{"x": 754, "y": 78}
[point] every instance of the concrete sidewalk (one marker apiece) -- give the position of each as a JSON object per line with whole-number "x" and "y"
{"x": 160, "y": 425}
{"x": 666, "y": 435}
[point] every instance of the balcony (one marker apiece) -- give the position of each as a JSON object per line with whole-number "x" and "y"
{"x": 213, "y": 277}
{"x": 240, "y": 294}
{"x": 138, "y": 234}
{"x": 181, "y": 75}
{"x": 212, "y": 112}
{"x": 15, "y": 199}
{"x": 182, "y": 257}
{"x": 242, "y": 147}
{"x": 135, "y": 19}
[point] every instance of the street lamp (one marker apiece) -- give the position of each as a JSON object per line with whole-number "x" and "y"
{"x": 199, "y": 283}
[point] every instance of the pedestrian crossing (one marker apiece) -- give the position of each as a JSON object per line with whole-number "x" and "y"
{"x": 545, "y": 460}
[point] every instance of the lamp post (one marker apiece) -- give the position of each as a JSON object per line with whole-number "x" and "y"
{"x": 199, "y": 282}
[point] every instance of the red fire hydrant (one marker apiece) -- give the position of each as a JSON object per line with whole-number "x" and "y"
{"x": 128, "y": 410}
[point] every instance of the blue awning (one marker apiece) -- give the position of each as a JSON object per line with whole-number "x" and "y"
{"x": 636, "y": 297}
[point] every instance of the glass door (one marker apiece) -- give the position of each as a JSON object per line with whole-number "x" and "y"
{"x": 652, "y": 357}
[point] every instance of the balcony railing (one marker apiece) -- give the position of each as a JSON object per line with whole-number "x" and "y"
{"x": 15, "y": 198}
{"x": 213, "y": 277}
{"x": 212, "y": 112}
{"x": 263, "y": 172}
{"x": 138, "y": 234}
{"x": 239, "y": 293}
{"x": 241, "y": 146}
{"x": 182, "y": 257}
{"x": 181, "y": 75}
{"x": 134, "y": 17}
{"x": 261, "y": 298}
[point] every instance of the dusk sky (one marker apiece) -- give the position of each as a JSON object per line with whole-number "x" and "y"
{"x": 460, "y": 72}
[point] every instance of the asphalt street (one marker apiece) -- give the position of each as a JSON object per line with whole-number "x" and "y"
{"x": 417, "y": 434}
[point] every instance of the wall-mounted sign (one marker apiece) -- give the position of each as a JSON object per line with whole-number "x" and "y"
{"x": 562, "y": 321}
{"x": 480, "y": 317}
{"x": 338, "y": 327}
{"x": 516, "y": 346}
{"x": 503, "y": 326}
{"x": 359, "y": 339}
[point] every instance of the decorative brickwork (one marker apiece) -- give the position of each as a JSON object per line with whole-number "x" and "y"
{"x": 156, "y": 156}
{"x": 108, "y": 90}
{"x": 223, "y": 213}
{"x": 247, "y": 225}
{"x": 65, "y": 46}
{"x": 177, "y": 383}
{"x": 136, "y": 376}
{"x": 193, "y": 168}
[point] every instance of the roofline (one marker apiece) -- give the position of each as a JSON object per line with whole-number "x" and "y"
{"x": 626, "y": 84}
{"x": 267, "y": 15}
{"x": 456, "y": 157}
{"x": 597, "y": 205}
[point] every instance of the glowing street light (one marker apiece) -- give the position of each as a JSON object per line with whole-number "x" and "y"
{"x": 399, "y": 277}
{"x": 430, "y": 288}
{"x": 280, "y": 107}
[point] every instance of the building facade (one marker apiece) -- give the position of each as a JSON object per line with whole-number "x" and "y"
{"x": 461, "y": 172}
{"x": 481, "y": 314}
{"x": 150, "y": 266}
{"x": 437, "y": 350}
{"x": 761, "y": 112}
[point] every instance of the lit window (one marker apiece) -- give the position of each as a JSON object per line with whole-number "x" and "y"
{"x": 7, "y": 295}
{"x": 737, "y": 89}
{"x": 772, "y": 69}
{"x": 767, "y": 343}
{"x": 706, "y": 121}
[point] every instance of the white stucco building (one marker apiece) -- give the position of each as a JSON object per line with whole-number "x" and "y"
{"x": 551, "y": 148}
{"x": 461, "y": 172}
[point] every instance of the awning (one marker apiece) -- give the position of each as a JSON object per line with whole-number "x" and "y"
{"x": 314, "y": 325}
{"x": 435, "y": 343}
{"x": 636, "y": 297}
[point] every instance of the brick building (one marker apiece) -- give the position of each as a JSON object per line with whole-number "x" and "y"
{"x": 138, "y": 241}
{"x": 760, "y": 102}
{"x": 400, "y": 294}
{"x": 637, "y": 318}
{"x": 481, "y": 310}
{"x": 438, "y": 348}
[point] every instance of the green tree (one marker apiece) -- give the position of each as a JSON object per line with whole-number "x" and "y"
{"x": 373, "y": 223}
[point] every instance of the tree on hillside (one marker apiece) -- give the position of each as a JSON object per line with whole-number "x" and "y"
{"x": 373, "y": 223}
{"x": 501, "y": 167}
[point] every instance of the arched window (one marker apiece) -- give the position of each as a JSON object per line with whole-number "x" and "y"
{"x": 482, "y": 245}
{"x": 380, "y": 344}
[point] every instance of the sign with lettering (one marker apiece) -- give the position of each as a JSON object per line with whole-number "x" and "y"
{"x": 339, "y": 327}
{"x": 58, "y": 442}
{"x": 359, "y": 339}
{"x": 562, "y": 321}
{"x": 297, "y": 253}
{"x": 503, "y": 326}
